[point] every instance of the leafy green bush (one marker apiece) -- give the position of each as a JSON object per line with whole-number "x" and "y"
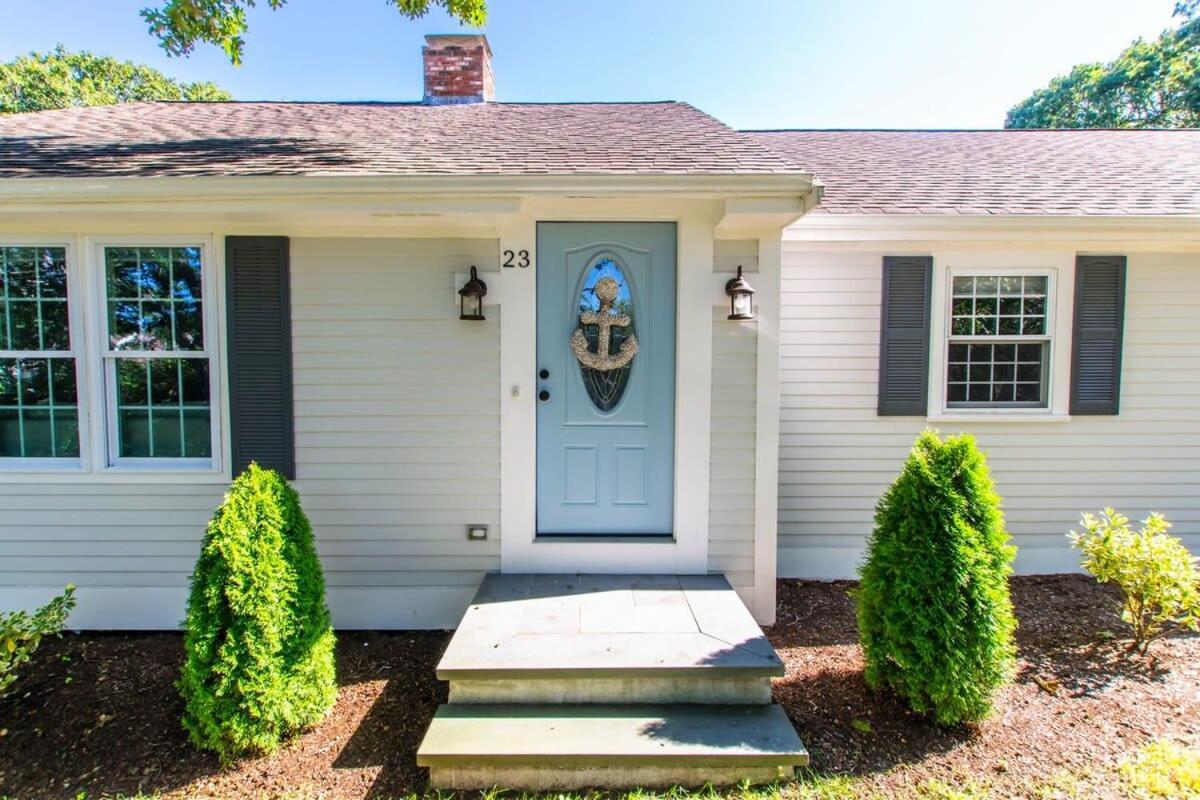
{"x": 1162, "y": 770}
{"x": 259, "y": 643}
{"x": 21, "y": 633}
{"x": 934, "y": 614}
{"x": 1157, "y": 576}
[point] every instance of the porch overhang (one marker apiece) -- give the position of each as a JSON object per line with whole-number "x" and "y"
{"x": 767, "y": 212}
{"x": 749, "y": 200}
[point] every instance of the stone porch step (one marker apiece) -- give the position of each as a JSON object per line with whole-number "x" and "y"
{"x": 573, "y": 746}
{"x": 608, "y": 638}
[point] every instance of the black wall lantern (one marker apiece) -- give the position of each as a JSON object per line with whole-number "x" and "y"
{"x": 470, "y": 298}
{"x": 741, "y": 297}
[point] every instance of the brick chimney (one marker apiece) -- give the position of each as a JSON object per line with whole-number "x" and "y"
{"x": 458, "y": 69}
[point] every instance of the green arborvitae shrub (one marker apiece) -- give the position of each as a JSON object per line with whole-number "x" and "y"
{"x": 934, "y": 614}
{"x": 259, "y": 643}
{"x": 1157, "y": 576}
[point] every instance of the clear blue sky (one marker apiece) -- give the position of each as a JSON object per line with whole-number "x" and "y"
{"x": 752, "y": 63}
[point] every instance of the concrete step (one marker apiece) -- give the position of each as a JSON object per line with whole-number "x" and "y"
{"x": 544, "y": 747}
{"x": 608, "y": 638}
{"x": 713, "y": 687}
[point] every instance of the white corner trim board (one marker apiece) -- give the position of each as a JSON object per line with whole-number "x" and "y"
{"x": 766, "y": 435}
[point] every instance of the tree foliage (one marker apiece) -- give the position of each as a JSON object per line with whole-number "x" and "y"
{"x": 1157, "y": 576}
{"x": 934, "y": 615}
{"x": 62, "y": 79}
{"x": 179, "y": 25}
{"x": 259, "y": 646}
{"x": 1149, "y": 85}
{"x": 21, "y": 633}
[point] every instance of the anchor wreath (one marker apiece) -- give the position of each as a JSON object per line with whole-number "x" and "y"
{"x": 602, "y": 360}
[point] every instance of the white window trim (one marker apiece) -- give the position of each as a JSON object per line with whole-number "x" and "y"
{"x": 103, "y": 402}
{"x": 1059, "y": 268}
{"x": 76, "y": 301}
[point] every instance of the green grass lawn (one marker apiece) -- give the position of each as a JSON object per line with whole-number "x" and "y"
{"x": 1160, "y": 770}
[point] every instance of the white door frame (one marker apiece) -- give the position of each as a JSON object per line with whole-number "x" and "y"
{"x": 520, "y": 548}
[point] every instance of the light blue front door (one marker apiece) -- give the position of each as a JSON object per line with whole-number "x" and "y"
{"x": 606, "y": 378}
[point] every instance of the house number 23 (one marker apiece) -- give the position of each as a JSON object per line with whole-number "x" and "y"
{"x": 516, "y": 258}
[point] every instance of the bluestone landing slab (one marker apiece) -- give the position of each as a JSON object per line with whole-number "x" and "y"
{"x": 616, "y": 735}
{"x": 546, "y": 626}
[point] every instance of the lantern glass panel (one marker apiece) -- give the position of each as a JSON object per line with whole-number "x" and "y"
{"x": 471, "y": 306}
{"x": 741, "y": 305}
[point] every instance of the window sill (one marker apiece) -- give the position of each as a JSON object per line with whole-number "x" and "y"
{"x": 172, "y": 465}
{"x": 998, "y": 416}
{"x": 199, "y": 472}
{"x": 41, "y": 466}
{"x": 142, "y": 477}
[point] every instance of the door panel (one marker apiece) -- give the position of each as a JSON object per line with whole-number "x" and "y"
{"x": 606, "y": 344}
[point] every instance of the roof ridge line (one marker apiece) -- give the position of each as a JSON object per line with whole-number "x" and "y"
{"x": 234, "y": 102}
{"x": 969, "y": 130}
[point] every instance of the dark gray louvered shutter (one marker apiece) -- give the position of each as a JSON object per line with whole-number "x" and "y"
{"x": 1097, "y": 334}
{"x": 258, "y": 296}
{"x": 904, "y": 336}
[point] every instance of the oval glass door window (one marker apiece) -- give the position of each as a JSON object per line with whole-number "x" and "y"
{"x": 605, "y": 343}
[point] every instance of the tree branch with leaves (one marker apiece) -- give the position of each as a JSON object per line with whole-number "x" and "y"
{"x": 1152, "y": 84}
{"x": 180, "y": 25}
{"x": 62, "y": 79}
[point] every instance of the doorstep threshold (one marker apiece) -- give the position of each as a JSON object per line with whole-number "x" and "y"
{"x": 638, "y": 538}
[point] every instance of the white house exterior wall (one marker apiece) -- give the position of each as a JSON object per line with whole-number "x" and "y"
{"x": 837, "y": 455}
{"x": 397, "y": 426}
{"x": 408, "y": 427}
{"x": 402, "y": 415}
{"x": 397, "y": 450}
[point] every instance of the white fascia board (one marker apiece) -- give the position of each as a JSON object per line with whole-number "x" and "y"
{"x": 335, "y": 189}
{"x": 948, "y": 227}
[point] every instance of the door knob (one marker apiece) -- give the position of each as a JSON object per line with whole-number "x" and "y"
{"x": 543, "y": 374}
{"x": 543, "y": 395}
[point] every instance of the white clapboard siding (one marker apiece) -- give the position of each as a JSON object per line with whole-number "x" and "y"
{"x": 837, "y": 456}
{"x": 397, "y": 450}
{"x": 734, "y": 373}
{"x": 397, "y": 417}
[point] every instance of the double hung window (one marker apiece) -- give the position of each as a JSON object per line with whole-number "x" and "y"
{"x": 133, "y": 388}
{"x": 39, "y": 399}
{"x": 997, "y": 352}
{"x": 156, "y": 359}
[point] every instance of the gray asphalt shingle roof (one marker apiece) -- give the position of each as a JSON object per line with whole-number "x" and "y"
{"x": 864, "y": 171}
{"x": 1076, "y": 172}
{"x": 251, "y": 138}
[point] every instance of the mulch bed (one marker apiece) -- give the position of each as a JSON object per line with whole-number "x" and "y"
{"x": 98, "y": 713}
{"x": 114, "y": 728}
{"x": 1078, "y": 703}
